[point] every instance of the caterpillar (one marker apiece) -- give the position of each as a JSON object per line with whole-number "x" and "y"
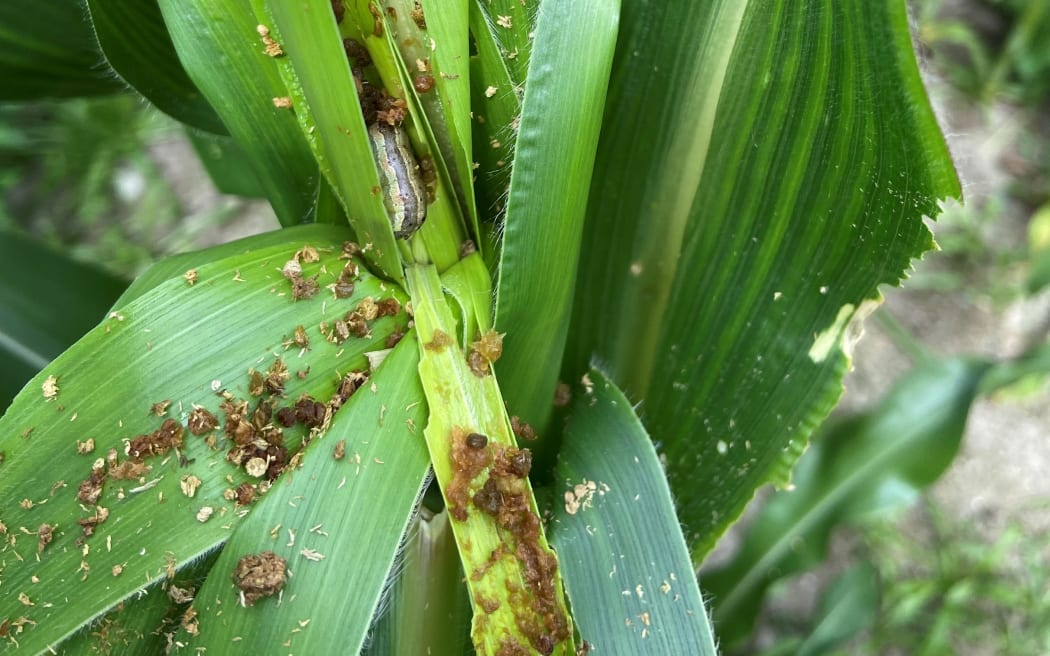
{"x": 404, "y": 193}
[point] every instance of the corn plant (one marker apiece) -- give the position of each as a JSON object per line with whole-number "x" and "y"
{"x": 560, "y": 284}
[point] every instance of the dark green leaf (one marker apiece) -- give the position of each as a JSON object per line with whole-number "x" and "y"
{"x": 787, "y": 160}
{"x": 626, "y": 567}
{"x": 48, "y": 50}
{"x": 47, "y": 302}
{"x": 137, "y": 46}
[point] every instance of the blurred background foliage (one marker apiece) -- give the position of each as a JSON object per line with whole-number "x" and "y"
{"x": 116, "y": 184}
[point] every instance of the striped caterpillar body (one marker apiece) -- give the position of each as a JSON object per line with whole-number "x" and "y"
{"x": 404, "y": 194}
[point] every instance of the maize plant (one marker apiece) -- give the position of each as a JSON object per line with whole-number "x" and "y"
{"x": 560, "y": 284}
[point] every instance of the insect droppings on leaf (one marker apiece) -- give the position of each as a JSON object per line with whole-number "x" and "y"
{"x": 201, "y": 421}
{"x": 259, "y": 576}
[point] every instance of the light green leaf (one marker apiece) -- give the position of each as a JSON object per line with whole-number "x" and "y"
{"x": 515, "y": 587}
{"x": 137, "y": 46}
{"x": 626, "y": 567}
{"x": 223, "y": 53}
{"x": 871, "y": 462}
{"x": 443, "y": 47}
{"x": 556, "y": 142}
{"x": 47, "y": 50}
{"x": 337, "y": 523}
{"x": 788, "y": 155}
{"x": 47, "y": 302}
{"x": 177, "y": 343}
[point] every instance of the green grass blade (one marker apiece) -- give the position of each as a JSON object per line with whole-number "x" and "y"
{"x": 337, "y": 523}
{"x": 874, "y": 461}
{"x": 787, "y": 174}
{"x": 242, "y": 90}
{"x": 47, "y": 50}
{"x": 627, "y": 570}
{"x": 47, "y": 302}
{"x": 557, "y": 137}
{"x": 175, "y": 342}
{"x": 137, "y": 46}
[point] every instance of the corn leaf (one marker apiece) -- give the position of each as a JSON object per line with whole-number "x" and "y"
{"x": 337, "y": 523}
{"x": 557, "y": 136}
{"x": 153, "y": 359}
{"x": 137, "y": 46}
{"x": 222, "y": 51}
{"x": 340, "y": 141}
{"x": 627, "y": 570}
{"x": 47, "y": 50}
{"x": 788, "y": 161}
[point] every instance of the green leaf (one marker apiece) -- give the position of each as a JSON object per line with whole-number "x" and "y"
{"x": 47, "y": 302}
{"x": 515, "y": 587}
{"x": 175, "y": 342}
{"x": 557, "y": 137}
{"x": 48, "y": 50}
{"x": 333, "y": 520}
{"x": 443, "y": 46}
{"x": 1039, "y": 250}
{"x": 137, "y": 46}
{"x": 871, "y": 462}
{"x": 624, "y": 558}
{"x": 847, "y": 607}
{"x": 242, "y": 90}
{"x": 788, "y": 155}
{"x": 180, "y": 265}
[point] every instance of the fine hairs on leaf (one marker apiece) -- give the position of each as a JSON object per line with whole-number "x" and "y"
{"x": 398, "y": 568}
